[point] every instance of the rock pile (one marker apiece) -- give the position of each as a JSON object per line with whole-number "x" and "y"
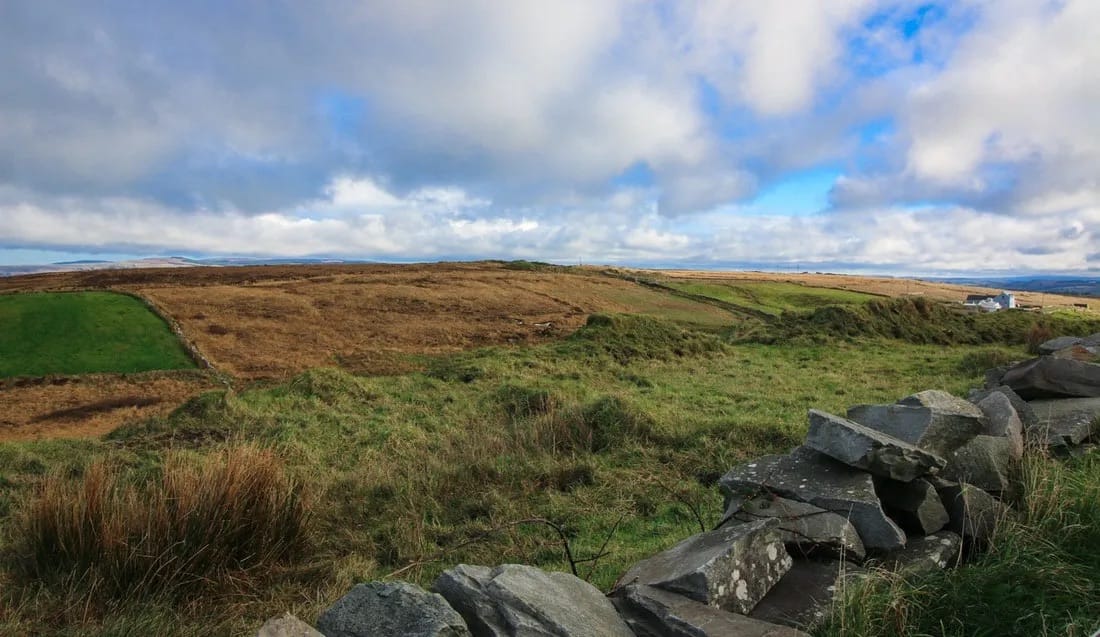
{"x": 911, "y": 486}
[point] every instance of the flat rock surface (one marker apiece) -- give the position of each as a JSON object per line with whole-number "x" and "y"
{"x": 987, "y": 462}
{"x": 865, "y": 448}
{"x": 809, "y": 476}
{"x": 914, "y": 505}
{"x": 806, "y": 529}
{"x": 514, "y": 599}
{"x": 1051, "y": 377}
{"x": 1066, "y": 421}
{"x": 652, "y": 612}
{"x": 1059, "y": 343}
{"x": 973, "y": 512}
{"x": 937, "y": 551}
{"x": 391, "y": 609}
{"x": 287, "y": 626}
{"x": 932, "y": 420}
{"x": 804, "y": 594}
{"x": 730, "y": 568}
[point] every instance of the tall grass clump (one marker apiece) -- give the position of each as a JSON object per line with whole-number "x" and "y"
{"x": 201, "y": 523}
{"x": 1039, "y": 576}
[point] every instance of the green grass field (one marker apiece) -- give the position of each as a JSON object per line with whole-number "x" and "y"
{"x": 83, "y": 332}
{"x": 772, "y": 297}
{"x": 617, "y": 434}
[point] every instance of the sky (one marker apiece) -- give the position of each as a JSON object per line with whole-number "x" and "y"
{"x": 840, "y": 135}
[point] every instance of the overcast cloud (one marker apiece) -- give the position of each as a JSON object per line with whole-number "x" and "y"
{"x": 891, "y": 136}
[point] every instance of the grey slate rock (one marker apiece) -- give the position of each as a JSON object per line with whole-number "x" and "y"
{"x": 864, "y": 448}
{"x": 932, "y": 420}
{"x": 938, "y": 551}
{"x": 287, "y": 626}
{"x": 805, "y": 593}
{"x": 1003, "y": 421}
{"x": 914, "y": 505}
{"x": 514, "y": 599}
{"x": 974, "y": 513}
{"x": 808, "y": 476}
{"x": 1059, "y": 343}
{"x": 805, "y": 529}
{"x": 1023, "y": 409}
{"x": 1068, "y": 421}
{"x": 987, "y": 462}
{"x": 1051, "y": 377}
{"x": 385, "y": 609}
{"x": 652, "y": 612}
{"x": 729, "y": 568}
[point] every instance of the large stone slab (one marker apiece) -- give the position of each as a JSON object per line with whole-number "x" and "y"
{"x": 1023, "y": 409}
{"x": 287, "y": 626}
{"x": 987, "y": 462}
{"x": 806, "y": 530}
{"x": 974, "y": 513}
{"x": 1002, "y": 421}
{"x": 729, "y": 568}
{"x": 1067, "y": 421}
{"x": 391, "y": 609}
{"x": 652, "y": 612}
{"x": 1051, "y": 377}
{"x": 932, "y": 420}
{"x": 809, "y": 476}
{"x": 932, "y": 552}
{"x": 865, "y": 448}
{"x": 914, "y": 505}
{"x": 1059, "y": 343}
{"x": 805, "y": 593}
{"x": 514, "y": 599}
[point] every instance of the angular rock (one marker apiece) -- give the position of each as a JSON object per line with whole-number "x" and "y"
{"x": 1023, "y": 409}
{"x": 938, "y": 551}
{"x": 865, "y": 448}
{"x": 1059, "y": 343}
{"x": 287, "y": 626}
{"x": 1051, "y": 377}
{"x": 1003, "y": 421}
{"x": 385, "y": 609}
{"x": 1080, "y": 352}
{"x": 994, "y": 375}
{"x": 729, "y": 568}
{"x": 805, "y": 529}
{"x": 513, "y": 599}
{"x": 914, "y": 505}
{"x": 987, "y": 462}
{"x": 652, "y": 612}
{"x": 1069, "y": 421}
{"x": 808, "y": 476}
{"x": 933, "y": 420}
{"x": 804, "y": 594}
{"x": 974, "y": 513}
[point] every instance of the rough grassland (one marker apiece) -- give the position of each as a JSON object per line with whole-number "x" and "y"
{"x": 773, "y": 297}
{"x": 84, "y": 332}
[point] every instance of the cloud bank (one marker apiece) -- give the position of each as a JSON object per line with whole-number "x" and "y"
{"x": 956, "y": 137}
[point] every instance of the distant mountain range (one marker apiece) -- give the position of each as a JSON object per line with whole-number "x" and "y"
{"x": 155, "y": 262}
{"x": 1074, "y": 286}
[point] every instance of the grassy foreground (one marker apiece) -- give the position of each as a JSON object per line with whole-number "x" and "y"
{"x": 83, "y": 332}
{"x": 611, "y": 439}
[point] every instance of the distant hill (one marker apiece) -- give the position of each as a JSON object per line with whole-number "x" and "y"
{"x": 1074, "y": 286}
{"x": 159, "y": 262}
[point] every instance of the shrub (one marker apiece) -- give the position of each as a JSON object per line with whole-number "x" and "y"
{"x": 1038, "y": 334}
{"x": 200, "y": 523}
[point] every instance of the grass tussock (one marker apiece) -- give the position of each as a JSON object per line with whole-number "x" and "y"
{"x": 200, "y": 524}
{"x": 628, "y": 339}
{"x": 605, "y": 423}
{"x": 1040, "y": 576}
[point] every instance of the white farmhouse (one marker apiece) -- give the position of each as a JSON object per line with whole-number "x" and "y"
{"x": 1003, "y": 301}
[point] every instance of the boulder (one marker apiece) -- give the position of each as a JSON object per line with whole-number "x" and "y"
{"x": 973, "y": 512}
{"x": 804, "y": 594}
{"x": 513, "y": 599}
{"x": 938, "y": 551}
{"x": 865, "y": 448}
{"x": 652, "y": 612}
{"x": 994, "y": 375}
{"x": 933, "y": 420}
{"x": 385, "y": 609}
{"x": 1002, "y": 420}
{"x": 987, "y": 462}
{"x": 805, "y": 529}
{"x": 729, "y": 568}
{"x": 1080, "y": 352}
{"x": 914, "y": 505}
{"x": 1069, "y": 421}
{"x": 808, "y": 476}
{"x": 1059, "y": 343}
{"x": 287, "y": 626}
{"x": 1051, "y": 377}
{"x": 1023, "y": 409}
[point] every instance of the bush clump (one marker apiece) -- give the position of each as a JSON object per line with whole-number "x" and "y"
{"x": 221, "y": 519}
{"x": 626, "y": 339}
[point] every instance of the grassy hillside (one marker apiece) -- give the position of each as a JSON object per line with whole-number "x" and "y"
{"x": 772, "y": 297}
{"x": 83, "y": 332}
